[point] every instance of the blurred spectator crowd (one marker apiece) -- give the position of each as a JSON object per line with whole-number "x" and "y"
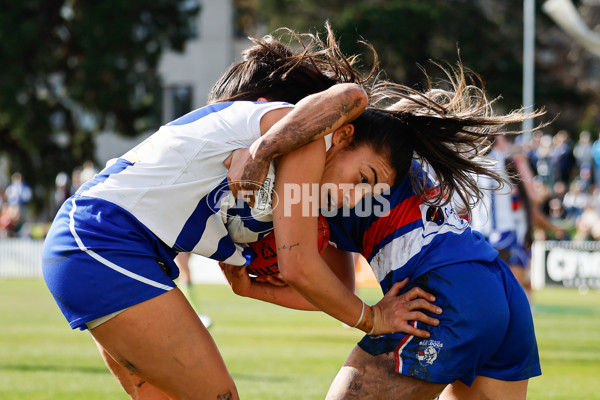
{"x": 16, "y": 219}
{"x": 565, "y": 181}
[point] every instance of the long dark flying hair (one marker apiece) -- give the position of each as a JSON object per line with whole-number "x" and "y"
{"x": 290, "y": 72}
{"x": 448, "y": 131}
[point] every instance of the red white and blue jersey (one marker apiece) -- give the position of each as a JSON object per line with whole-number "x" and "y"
{"x": 486, "y": 328}
{"x": 408, "y": 240}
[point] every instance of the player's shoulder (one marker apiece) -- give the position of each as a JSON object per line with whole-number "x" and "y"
{"x": 228, "y": 110}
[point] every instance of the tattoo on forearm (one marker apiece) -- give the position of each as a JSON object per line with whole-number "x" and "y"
{"x": 300, "y": 130}
{"x": 290, "y": 247}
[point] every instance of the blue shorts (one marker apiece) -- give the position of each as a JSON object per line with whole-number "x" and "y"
{"x": 503, "y": 240}
{"x": 510, "y": 250}
{"x": 486, "y": 328}
{"x": 98, "y": 259}
{"x": 519, "y": 256}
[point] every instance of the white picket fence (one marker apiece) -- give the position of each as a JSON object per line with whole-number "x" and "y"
{"x": 20, "y": 258}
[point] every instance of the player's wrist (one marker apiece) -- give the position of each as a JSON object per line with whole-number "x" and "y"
{"x": 367, "y": 325}
{"x": 362, "y": 315}
{"x": 372, "y": 330}
{"x": 263, "y": 149}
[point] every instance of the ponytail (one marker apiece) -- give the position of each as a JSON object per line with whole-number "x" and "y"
{"x": 290, "y": 72}
{"x": 449, "y": 132}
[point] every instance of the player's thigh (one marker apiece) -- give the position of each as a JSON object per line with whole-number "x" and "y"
{"x": 163, "y": 342}
{"x": 368, "y": 377}
{"x": 136, "y": 387}
{"x": 486, "y": 388}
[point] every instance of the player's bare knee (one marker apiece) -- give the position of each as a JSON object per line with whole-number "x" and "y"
{"x": 226, "y": 396}
{"x": 348, "y": 384}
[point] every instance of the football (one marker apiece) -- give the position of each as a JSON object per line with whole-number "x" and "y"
{"x": 265, "y": 250}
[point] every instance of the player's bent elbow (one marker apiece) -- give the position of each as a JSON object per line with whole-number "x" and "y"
{"x": 349, "y": 282}
{"x": 357, "y": 93}
{"x": 296, "y": 271}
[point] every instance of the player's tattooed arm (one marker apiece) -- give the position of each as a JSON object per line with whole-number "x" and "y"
{"x": 288, "y": 247}
{"x": 285, "y": 131}
{"x": 312, "y": 118}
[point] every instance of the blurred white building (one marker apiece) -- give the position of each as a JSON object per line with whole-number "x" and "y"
{"x": 188, "y": 76}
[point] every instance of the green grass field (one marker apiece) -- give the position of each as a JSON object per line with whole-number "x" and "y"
{"x": 272, "y": 353}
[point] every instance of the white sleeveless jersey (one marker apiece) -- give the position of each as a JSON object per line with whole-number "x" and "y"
{"x": 176, "y": 183}
{"x": 494, "y": 213}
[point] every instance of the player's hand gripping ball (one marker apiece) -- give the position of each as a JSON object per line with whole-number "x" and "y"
{"x": 265, "y": 261}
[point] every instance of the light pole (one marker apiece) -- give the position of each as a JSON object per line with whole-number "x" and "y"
{"x": 528, "y": 63}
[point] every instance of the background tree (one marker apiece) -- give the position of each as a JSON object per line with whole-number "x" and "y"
{"x": 409, "y": 33}
{"x": 73, "y": 68}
